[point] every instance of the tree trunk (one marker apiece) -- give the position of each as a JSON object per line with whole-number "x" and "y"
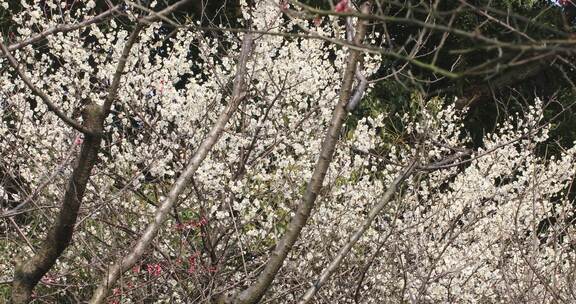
{"x": 28, "y": 273}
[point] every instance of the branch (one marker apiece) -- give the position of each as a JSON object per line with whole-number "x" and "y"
{"x": 358, "y": 91}
{"x": 255, "y": 292}
{"x": 63, "y": 28}
{"x": 47, "y": 181}
{"x": 29, "y": 272}
{"x": 125, "y": 263}
{"x": 564, "y": 46}
{"x": 36, "y": 91}
{"x": 113, "y": 90}
{"x": 155, "y": 16}
{"x": 328, "y": 271}
{"x": 152, "y": 17}
{"x": 353, "y": 46}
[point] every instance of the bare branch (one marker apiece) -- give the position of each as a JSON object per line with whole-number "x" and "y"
{"x": 492, "y": 43}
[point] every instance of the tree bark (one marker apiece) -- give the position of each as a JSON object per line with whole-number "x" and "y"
{"x": 29, "y": 273}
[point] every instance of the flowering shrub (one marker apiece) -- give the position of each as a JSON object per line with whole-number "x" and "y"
{"x": 492, "y": 225}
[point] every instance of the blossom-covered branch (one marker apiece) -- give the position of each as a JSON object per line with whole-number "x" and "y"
{"x": 36, "y": 91}
{"x": 255, "y": 292}
{"x": 64, "y": 28}
{"x": 125, "y": 263}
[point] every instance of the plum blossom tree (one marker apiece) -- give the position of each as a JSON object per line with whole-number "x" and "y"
{"x": 153, "y": 158}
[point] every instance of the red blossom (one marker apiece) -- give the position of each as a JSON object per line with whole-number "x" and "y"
{"x": 154, "y": 269}
{"x": 192, "y": 224}
{"x": 212, "y": 269}
{"x": 192, "y": 261}
{"x": 342, "y": 6}
{"x": 79, "y": 139}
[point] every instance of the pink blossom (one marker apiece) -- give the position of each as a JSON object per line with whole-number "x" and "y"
{"x": 203, "y": 221}
{"x": 191, "y": 268}
{"x": 160, "y": 87}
